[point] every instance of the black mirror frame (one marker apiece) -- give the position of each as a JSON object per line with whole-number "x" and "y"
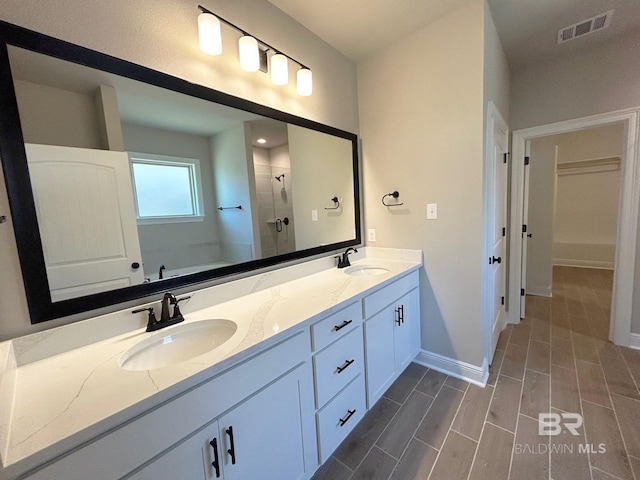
{"x": 21, "y": 201}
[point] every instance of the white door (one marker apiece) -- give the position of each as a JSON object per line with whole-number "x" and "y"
{"x": 87, "y": 220}
{"x": 406, "y": 335}
{"x": 525, "y": 233}
{"x": 499, "y": 230}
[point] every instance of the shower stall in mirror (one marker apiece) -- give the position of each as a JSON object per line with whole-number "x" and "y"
{"x": 274, "y": 192}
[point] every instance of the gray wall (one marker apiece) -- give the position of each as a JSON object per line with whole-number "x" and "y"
{"x": 421, "y": 112}
{"x": 163, "y": 36}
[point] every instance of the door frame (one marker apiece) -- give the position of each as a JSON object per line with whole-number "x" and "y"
{"x": 624, "y": 263}
{"x": 494, "y": 118}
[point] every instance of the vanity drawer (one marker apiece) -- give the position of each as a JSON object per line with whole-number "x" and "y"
{"x": 378, "y": 300}
{"x": 337, "y": 365}
{"x": 336, "y": 325}
{"x": 339, "y": 417}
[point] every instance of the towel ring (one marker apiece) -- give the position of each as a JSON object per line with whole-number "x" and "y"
{"x": 395, "y": 194}
{"x": 336, "y": 203}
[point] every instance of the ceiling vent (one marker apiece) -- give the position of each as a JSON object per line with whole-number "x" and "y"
{"x": 585, "y": 27}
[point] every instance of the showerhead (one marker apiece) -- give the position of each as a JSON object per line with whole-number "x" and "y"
{"x": 279, "y": 177}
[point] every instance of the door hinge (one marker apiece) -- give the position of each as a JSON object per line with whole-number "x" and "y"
{"x": 522, "y": 292}
{"x": 504, "y": 232}
{"x": 502, "y": 300}
{"x": 526, "y": 160}
{"x": 524, "y": 229}
{"x": 506, "y": 157}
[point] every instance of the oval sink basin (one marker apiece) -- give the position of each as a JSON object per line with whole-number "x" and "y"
{"x": 365, "y": 270}
{"x": 177, "y": 344}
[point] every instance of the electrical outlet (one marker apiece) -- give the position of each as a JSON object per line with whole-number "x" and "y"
{"x": 371, "y": 235}
{"x": 432, "y": 211}
{"x": 314, "y": 215}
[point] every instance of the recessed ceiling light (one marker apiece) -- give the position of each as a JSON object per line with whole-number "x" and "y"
{"x": 261, "y": 140}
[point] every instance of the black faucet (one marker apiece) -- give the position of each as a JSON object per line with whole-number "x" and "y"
{"x": 343, "y": 261}
{"x": 160, "y": 275}
{"x": 168, "y": 299}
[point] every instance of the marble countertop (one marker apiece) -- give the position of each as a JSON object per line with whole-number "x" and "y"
{"x": 61, "y": 401}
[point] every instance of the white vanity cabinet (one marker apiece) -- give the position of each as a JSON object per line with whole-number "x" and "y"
{"x": 260, "y": 438}
{"x": 338, "y": 364}
{"x": 392, "y": 333}
{"x": 262, "y": 410}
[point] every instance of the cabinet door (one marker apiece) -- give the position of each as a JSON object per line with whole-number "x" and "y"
{"x": 190, "y": 460}
{"x": 407, "y": 334}
{"x": 263, "y": 438}
{"x": 379, "y": 352}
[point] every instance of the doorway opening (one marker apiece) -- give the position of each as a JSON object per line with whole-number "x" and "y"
{"x": 622, "y": 249}
{"x": 572, "y": 216}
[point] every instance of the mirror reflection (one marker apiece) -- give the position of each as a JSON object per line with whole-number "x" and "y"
{"x": 135, "y": 184}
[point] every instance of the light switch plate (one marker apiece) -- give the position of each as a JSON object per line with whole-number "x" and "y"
{"x": 432, "y": 211}
{"x": 314, "y": 215}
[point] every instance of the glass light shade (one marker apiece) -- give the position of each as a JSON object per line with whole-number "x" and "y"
{"x": 249, "y": 54}
{"x": 209, "y": 34}
{"x": 304, "y": 84}
{"x": 279, "y": 69}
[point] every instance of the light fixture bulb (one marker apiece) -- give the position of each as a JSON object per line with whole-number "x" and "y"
{"x": 279, "y": 69}
{"x": 261, "y": 140}
{"x": 249, "y": 53}
{"x": 209, "y": 34}
{"x": 304, "y": 83}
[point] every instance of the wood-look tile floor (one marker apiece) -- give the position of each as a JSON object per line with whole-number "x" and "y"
{"x": 557, "y": 360}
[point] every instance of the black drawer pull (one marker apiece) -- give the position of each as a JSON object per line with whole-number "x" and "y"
{"x": 232, "y": 448}
{"x": 342, "y": 325}
{"x": 344, "y": 366}
{"x": 216, "y": 463}
{"x": 347, "y": 417}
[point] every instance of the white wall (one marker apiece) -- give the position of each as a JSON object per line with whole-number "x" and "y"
{"x": 421, "y": 115}
{"x": 163, "y": 36}
{"x": 602, "y": 80}
{"x": 234, "y": 184}
{"x": 52, "y": 116}
{"x": 586, "y": 213}
{"x": 170, "y": 244}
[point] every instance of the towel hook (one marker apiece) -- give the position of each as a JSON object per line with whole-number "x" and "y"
{"x": 336, "y": 204}
{"x": 395, "y": 194}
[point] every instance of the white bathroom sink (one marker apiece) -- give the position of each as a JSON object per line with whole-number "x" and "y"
{"x": 177, "y": 344}
{"x": 365, "y": 270}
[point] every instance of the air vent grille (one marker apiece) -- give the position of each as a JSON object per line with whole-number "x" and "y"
{"x": 585, "y": 27}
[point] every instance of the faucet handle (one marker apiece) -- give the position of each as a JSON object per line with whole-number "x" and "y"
{"x": 176, "y": 309}
{"x": 151, "y": 321}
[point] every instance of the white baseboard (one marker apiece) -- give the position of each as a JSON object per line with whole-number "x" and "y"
{"x": 539, "y": 291}
{"x": 455, "y": 368}
{"x": 634, "y": 340}
{"x": 567, "y": 262}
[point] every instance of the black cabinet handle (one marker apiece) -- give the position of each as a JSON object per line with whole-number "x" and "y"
{"x": 232, "y": 448}
{"x": 344, "y": 366}
{"x": 347, "y": 417}
{"x": 493, "y": 260}
{"x": 400, "y": 312}
{"x": 342, "y": 325}
{"x": 216, "y": 463}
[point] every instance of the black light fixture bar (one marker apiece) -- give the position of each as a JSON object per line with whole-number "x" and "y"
{"x": 244, "y": 32}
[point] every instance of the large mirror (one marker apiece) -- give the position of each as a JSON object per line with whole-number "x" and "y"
{"x": 124, "y": 181}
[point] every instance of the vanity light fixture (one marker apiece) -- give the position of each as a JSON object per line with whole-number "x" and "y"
{"x": 251, "y": 49}
{"x": 209, "y": 34}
